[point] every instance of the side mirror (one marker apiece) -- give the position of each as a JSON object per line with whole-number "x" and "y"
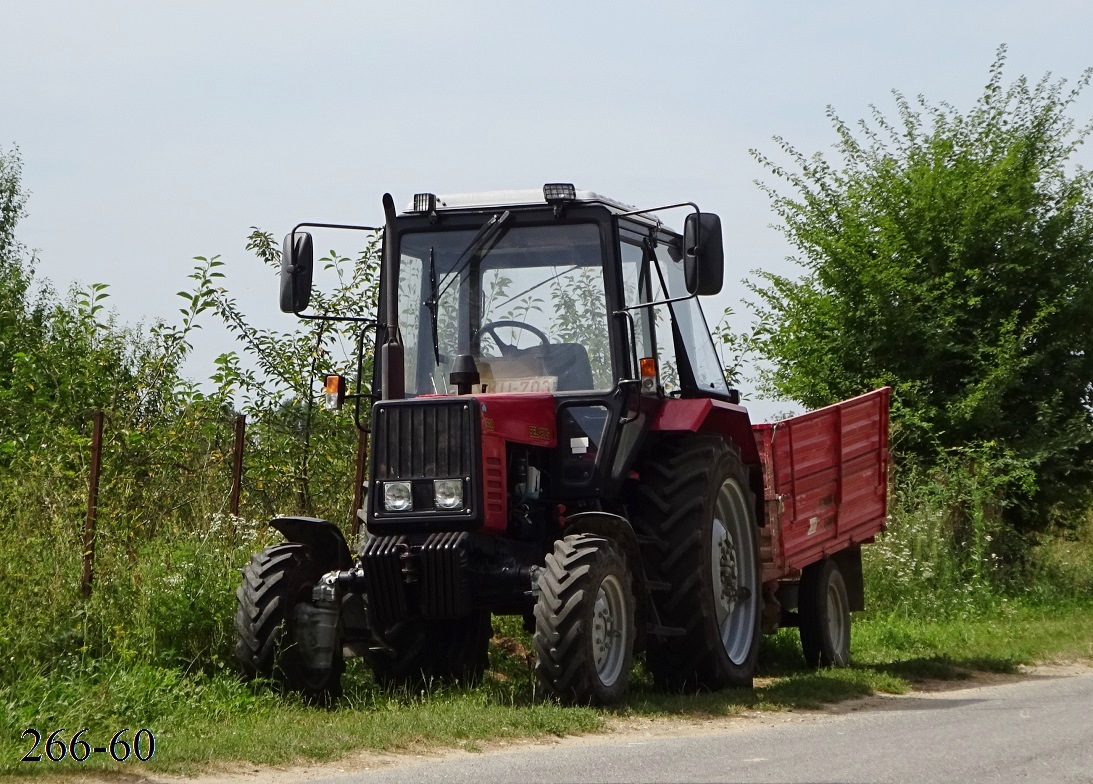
{"x": 297, "y": 265}
{"x": 703, "y": 253}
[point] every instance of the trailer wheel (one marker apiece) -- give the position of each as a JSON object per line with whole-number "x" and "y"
{"x": 697, "y": 515}
{"x": 417, "y": 652}
{"x": 824, "y": 612}
{"x": 274, "y": 582}
{"x": 584, "y": 622}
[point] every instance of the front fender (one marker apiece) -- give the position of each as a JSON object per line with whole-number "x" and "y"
{"x": 323, "y": 537}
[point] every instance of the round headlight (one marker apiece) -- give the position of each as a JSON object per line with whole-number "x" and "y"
{"x": 448, "y": 493}
{"x": 397, "y": 496}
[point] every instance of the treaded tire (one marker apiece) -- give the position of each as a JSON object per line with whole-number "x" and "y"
{"x": 419, "y": 652}
{"x": 687, "y": 484}
{"x": 584, "y": 622}
{"x": 824, "y": 615}
{"x": 274, "y": 581}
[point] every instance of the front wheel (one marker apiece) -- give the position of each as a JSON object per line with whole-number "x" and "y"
{"x": 824, "y": 615}
{"x": 584, "y": 622}
{"x": 276, "y": 585}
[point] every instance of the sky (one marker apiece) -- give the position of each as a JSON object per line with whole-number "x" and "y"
{"x": 155, "y": 132}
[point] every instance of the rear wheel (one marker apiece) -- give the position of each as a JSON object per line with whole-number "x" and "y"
{"x": 584, "y": 622}
{"x": 697, "y": 514}
{"x": 418, "y": 652}
{"x": 824, "y": 615}
{"x": 275, "y": 582}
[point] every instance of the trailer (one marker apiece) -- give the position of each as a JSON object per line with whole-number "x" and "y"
{"x": 825, "y": 493}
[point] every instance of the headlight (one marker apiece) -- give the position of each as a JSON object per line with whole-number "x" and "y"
{"x": 448, "y": 493}
{"x": 397, "y": 496}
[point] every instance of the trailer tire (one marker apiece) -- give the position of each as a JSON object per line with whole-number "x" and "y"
{"x": 824, "y": 615}
{"x": 418, "y": 652}
{"x": 584, "y": 622}
{"x": 274, "y": 582}
{"x": 697, "y": 518}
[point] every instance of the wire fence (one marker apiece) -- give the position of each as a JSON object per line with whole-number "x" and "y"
{"x": 227, "y": 471}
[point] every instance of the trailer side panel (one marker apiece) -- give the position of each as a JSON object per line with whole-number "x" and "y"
{"x": 825, "y": 481}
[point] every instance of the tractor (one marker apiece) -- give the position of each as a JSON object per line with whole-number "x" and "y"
{"x": 552, "y": 437}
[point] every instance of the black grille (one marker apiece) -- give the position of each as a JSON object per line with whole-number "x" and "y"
{"x": 424, "y": 440}
{"x": 417, "y": 441}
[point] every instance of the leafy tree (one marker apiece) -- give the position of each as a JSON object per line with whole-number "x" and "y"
{"x": 950, "y": 255}
{"x": 300, "y": 450}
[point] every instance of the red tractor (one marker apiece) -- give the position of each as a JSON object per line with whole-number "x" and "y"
{"x": 553, "y": 437}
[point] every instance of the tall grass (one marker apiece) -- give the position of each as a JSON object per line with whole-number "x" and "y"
{"x": 949, "y": 553}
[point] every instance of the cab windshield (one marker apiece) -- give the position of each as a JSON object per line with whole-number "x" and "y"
{"x": 529, "y": 306}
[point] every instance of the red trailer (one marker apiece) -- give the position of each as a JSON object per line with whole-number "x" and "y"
{"x": 825, "y": 480}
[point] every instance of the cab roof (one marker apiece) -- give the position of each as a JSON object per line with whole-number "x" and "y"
{"x": 527, "y": 197}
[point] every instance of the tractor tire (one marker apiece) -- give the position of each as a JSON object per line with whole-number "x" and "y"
{"x": 584, "y": 622}
{"x": 416, "y": 652}
{"x": 274, "y": 582}
{"x": 696, "y": 514}
{"x": 824, "y": 615}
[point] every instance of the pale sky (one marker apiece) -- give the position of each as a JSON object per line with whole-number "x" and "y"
{"x": 153, "y": 132}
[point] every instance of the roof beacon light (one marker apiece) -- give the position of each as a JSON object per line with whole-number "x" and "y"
{"x": 557, "y": 192}
{"x": 424, "y": 202}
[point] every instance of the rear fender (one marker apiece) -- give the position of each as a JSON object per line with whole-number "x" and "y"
{"x": 323, "y": 537}
{"x": 709, "y": 415}
{"x": 717, "y": 417}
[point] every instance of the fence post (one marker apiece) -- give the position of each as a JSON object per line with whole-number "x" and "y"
{"x": 358, "y": 481}
{"x": 237, "y": 463}
{"x": 92, "y": 505}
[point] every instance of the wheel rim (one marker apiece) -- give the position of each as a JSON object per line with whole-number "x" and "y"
{"x": 837, "y": 627}
{"x": 735, "y": 580}
{"x": 608, "y": 632}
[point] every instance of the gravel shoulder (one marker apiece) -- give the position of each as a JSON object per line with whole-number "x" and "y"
{"x": 617, "y": 730}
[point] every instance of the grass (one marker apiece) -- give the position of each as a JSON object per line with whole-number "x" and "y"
{"x": 206, "y": 720}
{"x": 152, "y": 648}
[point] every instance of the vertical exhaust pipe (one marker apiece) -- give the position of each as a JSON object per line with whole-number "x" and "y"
{"x": 392, "y": 353}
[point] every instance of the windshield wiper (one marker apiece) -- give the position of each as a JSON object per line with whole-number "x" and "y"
{"x": 490, "y": 232}
{"x": 431, "y": 304}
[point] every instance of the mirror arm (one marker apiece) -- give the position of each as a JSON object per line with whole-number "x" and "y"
{"x": 691, "y": 204}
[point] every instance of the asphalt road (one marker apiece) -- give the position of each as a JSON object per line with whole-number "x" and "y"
{"x": 1035, "y": 730}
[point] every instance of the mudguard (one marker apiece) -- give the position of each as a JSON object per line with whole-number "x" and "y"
{"x": 323, "y": 537}
{"x": 617, "y": 529}
{"x": 709, "y": 415}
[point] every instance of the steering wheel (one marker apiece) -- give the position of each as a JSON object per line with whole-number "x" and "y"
{"x": 508, "y": 349}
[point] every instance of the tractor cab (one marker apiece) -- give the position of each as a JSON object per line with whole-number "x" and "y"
{"x": 551, "y": 291}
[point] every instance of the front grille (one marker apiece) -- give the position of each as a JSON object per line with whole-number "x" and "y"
{"x": 424, "y": 440}
{"x": 418, "y": 441}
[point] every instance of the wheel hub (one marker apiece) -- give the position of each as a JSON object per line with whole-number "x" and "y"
{"x": 608, "y": 646}
{"x": 726, "y": 571}
{"x": 603, "y": 629}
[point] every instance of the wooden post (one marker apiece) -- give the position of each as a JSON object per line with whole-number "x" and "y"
{"x": 237, "y": 463}
{"x": 92, "y": 505}
{"x": 358, "y": 481}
